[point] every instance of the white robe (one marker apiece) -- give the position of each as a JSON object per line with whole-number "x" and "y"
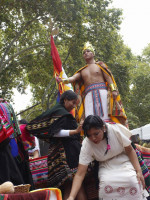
{"x": 96, "y": 102}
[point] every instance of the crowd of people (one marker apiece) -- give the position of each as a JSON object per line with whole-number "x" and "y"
{"x": 100, "y": 114}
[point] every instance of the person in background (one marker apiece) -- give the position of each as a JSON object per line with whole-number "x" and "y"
{"x": 33, "y": 152}
{"x": 14, "y": 165}
{"x": 143, "y": 155}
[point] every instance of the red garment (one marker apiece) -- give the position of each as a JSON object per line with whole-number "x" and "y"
{"x": 41, "y": 195}
{"x": 27, "y": 138}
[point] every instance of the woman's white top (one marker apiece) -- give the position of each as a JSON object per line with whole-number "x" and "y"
{"x": 118, "y": 138}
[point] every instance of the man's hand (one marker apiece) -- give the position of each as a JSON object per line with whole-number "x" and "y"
{"x": 58, "y": 79}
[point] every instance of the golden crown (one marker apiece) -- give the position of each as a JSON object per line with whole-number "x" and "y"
{"x": 89, "y": 46}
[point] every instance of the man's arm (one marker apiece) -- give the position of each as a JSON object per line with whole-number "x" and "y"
{"x": 111, "y": 85}
{"x": 75, "y": 77}
{"x": 134, "y": 160}
{"x": 77, "y": 181}
{"x": 71, "y": 79}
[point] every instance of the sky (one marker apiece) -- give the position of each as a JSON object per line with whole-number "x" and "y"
{"x": 135, "y": 27}
{"x": 135, "y": 31}
{"x": 21, "y": 101}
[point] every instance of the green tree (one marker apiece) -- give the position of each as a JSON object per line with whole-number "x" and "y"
{"x": 139, "y": 95}
{"x": 146, "y": 53}
{"x": 25, "y": 50}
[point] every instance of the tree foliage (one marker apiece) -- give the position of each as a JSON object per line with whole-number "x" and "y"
{"x": 139, "y": 94}
{"x": 26, "y": 27}
{"x": 25, "y": 46}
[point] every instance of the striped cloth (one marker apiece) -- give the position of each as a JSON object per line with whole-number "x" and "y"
{"x": 145, "y": 151}
{"x": 39, "y": 170}
{"x": 144, "y": 169}
{"x": 9, "y": 113}
{"x": 146, "y": 157}
{"x": 97, "y": 100}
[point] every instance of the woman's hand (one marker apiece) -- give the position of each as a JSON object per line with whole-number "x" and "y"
{"x": 79, "y": 129}
{"x": 140, "y": 178}
{"x": 134, "y": 160}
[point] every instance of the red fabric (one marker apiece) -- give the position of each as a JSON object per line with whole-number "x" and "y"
{"x": 25, "y": 134}
{"x": 56, "y": 59}
{"x": 28, "y": 140}
{"x": 41, "y": 195}
{"x": 6, "y": 128}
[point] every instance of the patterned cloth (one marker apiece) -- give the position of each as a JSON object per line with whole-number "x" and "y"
{"x": 11, "y": 117}
{"x": 146, "y": 157}
{"x": 96, "y": 100}
{"x": 58, "y": 168}
{"x": 39, "y": 170}
{"x": 43, "y": 194}
{"x": 63, "y": 152}
{"x": 6, "y": 128}
{"x": 115, "y": 108}
{"x": 145, "y": 151}
{"x": 144, "y": 168}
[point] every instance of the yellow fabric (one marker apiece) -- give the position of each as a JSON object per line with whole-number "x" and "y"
{"x": 56, "y": 190}
{"x": 115, "y": 108}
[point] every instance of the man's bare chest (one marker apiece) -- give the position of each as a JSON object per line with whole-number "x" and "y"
{"x": 91, "y": 70}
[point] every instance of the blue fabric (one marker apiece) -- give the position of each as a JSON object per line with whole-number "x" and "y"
{"x": 14, "y": 147}
{"x": 58, "y": 97}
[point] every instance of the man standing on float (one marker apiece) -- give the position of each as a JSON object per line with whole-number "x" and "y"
{"x": 97, "y": 90}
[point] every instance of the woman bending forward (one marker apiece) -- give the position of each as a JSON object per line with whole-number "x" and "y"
{"x": 120, "y": 175}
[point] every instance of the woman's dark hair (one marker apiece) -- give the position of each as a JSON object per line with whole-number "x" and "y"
{"x": 69, "y": 95}
{"x": 22, "y": 121}
{"x": 94, "y": 121}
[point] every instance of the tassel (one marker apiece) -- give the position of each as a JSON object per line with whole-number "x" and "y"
{"x": 108, "y": 146}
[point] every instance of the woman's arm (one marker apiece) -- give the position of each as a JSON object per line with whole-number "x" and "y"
{"x": 36, "y": 154}
{"x": 134, "y": 160}
{"x": 77, "y": 181}
{"x": 66, "y": 133}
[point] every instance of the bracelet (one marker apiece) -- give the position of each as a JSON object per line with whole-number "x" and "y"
{"x": 112, "y": 87}
{"x": 65, "y": 80}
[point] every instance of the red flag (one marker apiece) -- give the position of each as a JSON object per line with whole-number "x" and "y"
{"x": 59, "y": 71}
{"x": 56, "y": 59}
